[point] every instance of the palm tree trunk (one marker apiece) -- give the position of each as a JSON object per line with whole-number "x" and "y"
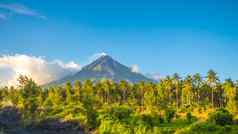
{"x": 177, "y": 99}
{"x": 212, "y": 97}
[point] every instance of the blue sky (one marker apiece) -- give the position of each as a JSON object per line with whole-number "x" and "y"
{"x": 160, "y": 36}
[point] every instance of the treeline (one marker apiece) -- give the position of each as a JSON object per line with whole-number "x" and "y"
{"x": 123, "y": 107}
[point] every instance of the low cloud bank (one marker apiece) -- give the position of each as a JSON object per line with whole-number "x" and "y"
{"x": 38, "y": 68}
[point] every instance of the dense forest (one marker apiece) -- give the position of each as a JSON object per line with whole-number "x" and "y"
{"x": 190, "y": 105}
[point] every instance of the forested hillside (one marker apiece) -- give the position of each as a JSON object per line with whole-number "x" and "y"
{"x": 190, "y": 105}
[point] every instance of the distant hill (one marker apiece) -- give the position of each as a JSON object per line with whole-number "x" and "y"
{"x": 105, "y": 67}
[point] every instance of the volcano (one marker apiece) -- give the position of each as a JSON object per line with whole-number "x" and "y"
{"x": 105, "y": 67}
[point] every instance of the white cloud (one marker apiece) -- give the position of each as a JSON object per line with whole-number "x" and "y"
{"x": 21, "y": 9}
{"x": 135, "y": 68}
{"x": 39, "y": 69}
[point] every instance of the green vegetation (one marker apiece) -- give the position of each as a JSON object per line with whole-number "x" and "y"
{"x": 192, "y": 105}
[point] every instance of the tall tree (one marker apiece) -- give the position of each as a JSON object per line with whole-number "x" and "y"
{"x": 88, "y": 88}
{"x": 29, "y": 91}
{"x": 123, "y": 87}
{"x": 168, "y": 84}
{"x": 212, "y": 80}
{"x": 187, "y": 90}
{"x": 230, "y": 92}
{"x": 69, "y": 95}
{"x": 77, "y": 89}
{"x": 176, "y": 81}
{"x": 197, "y": 83}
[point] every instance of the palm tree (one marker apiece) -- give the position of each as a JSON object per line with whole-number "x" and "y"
{"x": 212, "y": 80}
{"x": 113, "y": 91}
{"x": 77, "y": 89}
{"x": 68, "y": 90}
{"x": 197, "y": 82}
{"x": 106, "y": 89}
{"x": 141, "y": 88}
{"x": 88, "y": 88}
{"x": 187, "y": 89}
{"x": 169, "y": 88}
{"x": 176, "y": 81}
{"x": 230, "y": 92}
{"x": 123, "y": 86}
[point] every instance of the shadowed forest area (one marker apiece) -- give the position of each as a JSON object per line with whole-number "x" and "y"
{"x": 174, "y": 105}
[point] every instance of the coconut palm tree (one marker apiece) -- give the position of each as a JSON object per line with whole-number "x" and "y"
{"x": 176, "y": 81}
{"x": 212, "y": 80}
{"x": 197, "y": 83}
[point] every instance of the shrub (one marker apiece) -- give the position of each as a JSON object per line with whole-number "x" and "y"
{"x": 190, "y": 118}
{"x": 169, "y": 115}
{"x": 141, "y": 129}
{"x": 235, "y": 121}
{"x": 199, "y": 128}
{"x": 221, "y": 117}
{"x": 146, "y": 120}
{"x": 208, "y": 128}
{"x": 120, "y": 112}
{"x": 113, "y": 127}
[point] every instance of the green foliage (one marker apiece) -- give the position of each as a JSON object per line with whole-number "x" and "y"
{"x": 221, "y": 117}
{"x": 108, "y": 107}
{"x": 208, "y": 128}
{"x": 169, "y": 115}
{"x": 190, "y": 118}
{"x": 113, "y": 127}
